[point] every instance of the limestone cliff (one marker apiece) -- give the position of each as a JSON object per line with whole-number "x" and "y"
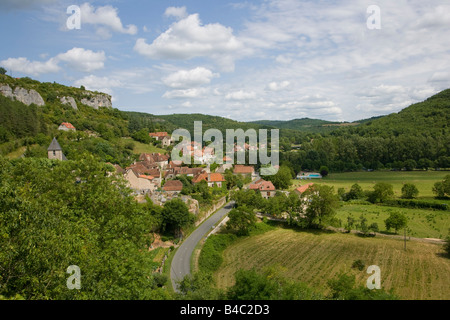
{"x": 23, "y": 95}
{"x": 97, "y": 100}
{"x": 66, "y": 95}
{"x": 70, "y": 101}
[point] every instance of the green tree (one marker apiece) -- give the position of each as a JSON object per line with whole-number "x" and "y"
{"x": 409, "y": 191}
{"x": 321, "y": 203}
{"x": 282, "y": 179}
{"x": 142, "y": 136}
{"x": 176, "y": 216}
{"x": 241, "y": 220}
{"x": 293, "y": 208}
{"x": 442, "y": 188}
{"x": 230, "y": 179}
{"x": 269, "y": 284}
{"x": 343, "y": 287}
{"x": 356, "y": 192}
{"x": 396, "y": 220}
{"x": 2, "y": 70}
{"x": 55, "y": 214}
{"x": 324, "y": 171}
{"x": 382, "y": 192}
{"x": 248, "y": 198}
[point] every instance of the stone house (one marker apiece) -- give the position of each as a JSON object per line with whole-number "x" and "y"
{"x": 173, "y": 187}
{"x": 66, "y": 126}
{"x": 266, "y": 188}
{"x": 141, "y": 184}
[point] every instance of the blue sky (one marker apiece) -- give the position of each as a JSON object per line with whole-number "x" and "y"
{"x": 251, "y": 60}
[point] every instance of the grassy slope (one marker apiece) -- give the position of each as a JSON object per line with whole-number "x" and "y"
{"x": 312, "y": 257}
{"x": 142, "y": 147}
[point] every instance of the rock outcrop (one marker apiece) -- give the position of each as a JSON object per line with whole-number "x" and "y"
{"x": 70, "y": 101}
{"x": 94, "y": 100}
{"x": 98, "y": 100}
{"x": 23, "y": 95}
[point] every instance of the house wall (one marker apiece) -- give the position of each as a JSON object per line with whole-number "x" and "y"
{"x": 268, "y": 194}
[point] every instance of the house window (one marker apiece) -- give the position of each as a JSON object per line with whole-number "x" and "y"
{"x": 268, "y": 194}
{"x": 54, "y": 153}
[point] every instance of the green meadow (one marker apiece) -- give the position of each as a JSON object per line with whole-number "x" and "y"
{"x": 424, "y": 180}
{"x": 422, "y": 223}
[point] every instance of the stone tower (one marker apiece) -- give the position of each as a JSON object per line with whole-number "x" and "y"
{"x": 55, "y": 151}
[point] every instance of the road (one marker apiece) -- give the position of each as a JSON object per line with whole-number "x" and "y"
{"x": 181, "y": 263}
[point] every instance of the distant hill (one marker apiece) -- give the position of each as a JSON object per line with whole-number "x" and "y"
{"x": 306, "y": 125}
{"x": 31, "y": 111}
{"x": 428, "y": 118}
{"x": 209, "y": 122}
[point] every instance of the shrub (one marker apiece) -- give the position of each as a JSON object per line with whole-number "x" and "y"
{"x": 358, "y": 264}
{"x": 409, "y": 191}
{"x": 210, "y": 257}
{"x": 159, "y": 279}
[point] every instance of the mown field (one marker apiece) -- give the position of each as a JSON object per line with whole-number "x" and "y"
{"x": 314, "y": 257}
{"x": 424, "y": 180}
{"x": 422, "y": 223}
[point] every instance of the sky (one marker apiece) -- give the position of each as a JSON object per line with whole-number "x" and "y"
{"x": 341, "y": 60}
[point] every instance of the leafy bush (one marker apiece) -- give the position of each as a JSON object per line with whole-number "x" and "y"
{"x": 409, "y": 191}
{"x": 416, "y": 204}
{"x": 210, "y": 257}
{"x": 358, "y": 264}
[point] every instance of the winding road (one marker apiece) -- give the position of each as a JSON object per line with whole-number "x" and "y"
{"x": 181, "y": 263}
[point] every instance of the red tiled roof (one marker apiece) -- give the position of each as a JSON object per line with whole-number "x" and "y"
{"x": 303, "y": 188}
{"x": 68, "y": 125}
{"x": 262, "y": 185}
{"x": 173, "y": 185}
{"x": 158, "y": 134}
{"x": 254, "y": 187}
{"x": 239, "y": 168}
{"x": 146, "y": 177}
{"x": 215, "y": 177}
{"x": 267, "y": 186}
{"x": 200, "y": 177}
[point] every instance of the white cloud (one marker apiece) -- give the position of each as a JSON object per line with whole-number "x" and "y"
{"x": 83, "y": 60}
{"x": 35, "y": 68}
{"x": 177, "y": 12}
{"x": 187, "y": 93}
{"x": 105, "y": 17}
{"x": 78, "y": 59}
{"x": 382, "y": 90}
{"x": 275, "y": 86}
{"x": 189, "y": 78}
{"x": 241, "y": 95}
{"x": 188, "y": 38}
{"x": 440, "y": 76}
{"x": 101, "y": 84}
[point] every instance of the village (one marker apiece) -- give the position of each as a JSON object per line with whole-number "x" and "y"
{"x": 156, "y": 177}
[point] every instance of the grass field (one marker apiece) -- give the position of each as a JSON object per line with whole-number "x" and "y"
{"x": 142, "y": 147}
{"x": 422, "y": 223}
{"x": 424, "y": 180}
{"x": 420, "y": 272}
{"x": 16, "y": 153}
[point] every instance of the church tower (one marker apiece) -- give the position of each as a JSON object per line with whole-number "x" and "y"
{"x": 55, "y": 151}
